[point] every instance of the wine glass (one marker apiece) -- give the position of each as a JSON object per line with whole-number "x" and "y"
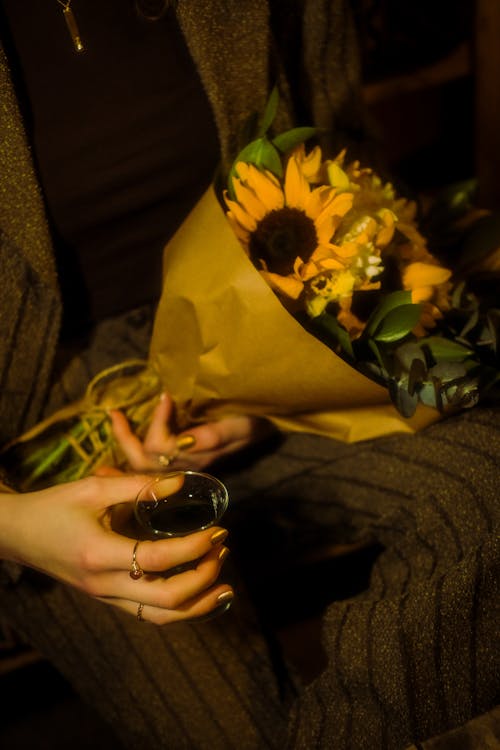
{"x": 180, "y": 503}
{"x": 177, "y": 504}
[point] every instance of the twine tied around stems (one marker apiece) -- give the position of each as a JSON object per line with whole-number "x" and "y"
{"x": 78, "y": 439}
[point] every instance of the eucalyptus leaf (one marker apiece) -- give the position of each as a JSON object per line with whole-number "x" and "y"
{"x": 292, "y": 138}
{"x": 406, "y": 354}
{"x": 388, "y": 303}
{"x": 445, "y": 350}
{"x": 404, "y": 402}
{"x": 398, "y": 323}
{"x": 416, "y": 376}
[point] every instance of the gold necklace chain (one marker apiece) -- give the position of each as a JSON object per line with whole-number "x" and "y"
{"x": 72, "y": 25}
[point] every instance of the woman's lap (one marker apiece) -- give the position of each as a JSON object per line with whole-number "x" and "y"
{"x": 416, "y": 652}
{"x": 407, "y": 658}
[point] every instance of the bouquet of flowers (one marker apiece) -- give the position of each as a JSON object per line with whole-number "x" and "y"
{"x": 344, "y": 255}
{"x": 309, "y": 297}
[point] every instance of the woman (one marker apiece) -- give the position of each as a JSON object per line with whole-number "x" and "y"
{"x": 118, "y": 173}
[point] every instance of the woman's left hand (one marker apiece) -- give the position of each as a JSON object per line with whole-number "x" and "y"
{"x": 195, "y": 448}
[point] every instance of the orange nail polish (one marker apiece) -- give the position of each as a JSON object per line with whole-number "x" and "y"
{"x": 225, "y": 597}
{"x": 185, "y": 441}
{"x": 219, "y": 536}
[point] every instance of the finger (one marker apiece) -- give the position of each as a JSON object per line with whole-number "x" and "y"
{"x": 129, "y": 443}
{"x": 108, "y": 471}
{"x": 213, "y": 436}
{"x": 159, "y": 434}
{"x": 217, "y": 439}
{"x": 113, "y": 552}
{"x": 199, "y": 607}
{"x": 157, "y": 590}
{"x": 158, "y": 442}
{"x": 98, "y": 492}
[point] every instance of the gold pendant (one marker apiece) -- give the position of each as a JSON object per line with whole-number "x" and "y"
{"x": 73, "y": 29}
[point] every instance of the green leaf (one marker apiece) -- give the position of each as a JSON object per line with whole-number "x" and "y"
{"x": 471, "y": 323}
{"x": 328, "y": 324}
{"x": 378, "y": 354}
{"x": 388, "y": 303}
{"x": 398, "y": 323}
{"x": 456, "y": 297}
{"x": 262, "y": 154}
{"x": 445, "y": 350}
{"x": 269, "y": 113}
{"x": 292, "y": 138}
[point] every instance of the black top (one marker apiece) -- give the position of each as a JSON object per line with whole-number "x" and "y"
{"x": 124, "y": 142}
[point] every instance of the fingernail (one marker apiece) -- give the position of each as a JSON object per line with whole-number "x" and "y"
{"x": 225, "y": 597}
{"x": 219, "y": 536}
{"x": 223, "y": 554}
{"x": 185, "y": 441}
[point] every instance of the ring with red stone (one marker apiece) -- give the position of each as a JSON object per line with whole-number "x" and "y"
{"x": 136, "y": 571}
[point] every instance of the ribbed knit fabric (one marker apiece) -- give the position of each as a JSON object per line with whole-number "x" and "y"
{"x": 415, "y": 654}
{"x": 241, "y": 50}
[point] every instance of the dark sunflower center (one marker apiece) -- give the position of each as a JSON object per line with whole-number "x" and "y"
{"x": 280, "y": 237}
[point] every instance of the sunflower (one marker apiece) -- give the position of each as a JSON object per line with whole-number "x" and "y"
{"x": 287, "y": 228}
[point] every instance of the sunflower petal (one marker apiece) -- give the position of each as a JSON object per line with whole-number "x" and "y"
{"x": 241, "y": 233}
{"x": 331, "y": 264}
{"x": 296, "y": 186}
{"x": 324, "y": 229}
{"x": 310, "y": 164}
{"x": 249, "y": 201}
{"x": 287, "y": 285}
{"x": 318, "y": 201}
{"x": 337, "y": 177}
{"x": 309, "y": 270}
{"x": 264, "y": 185}
{"x": 247, "y": 221}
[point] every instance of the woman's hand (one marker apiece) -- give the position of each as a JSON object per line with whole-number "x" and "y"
{"x": 196, "y": 448}
{"x": 66, "y": 532}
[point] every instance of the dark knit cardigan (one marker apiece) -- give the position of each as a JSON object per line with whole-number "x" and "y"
{"x": 241, "y": 48}
{"x": 417, "y": 652}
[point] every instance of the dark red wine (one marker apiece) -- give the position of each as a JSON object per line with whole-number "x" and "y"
{"x": 181, "y": 515}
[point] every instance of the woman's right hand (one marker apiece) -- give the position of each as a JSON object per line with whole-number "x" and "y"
{"x": 65, "y": 531}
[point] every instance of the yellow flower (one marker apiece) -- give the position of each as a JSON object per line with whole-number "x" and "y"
{"x": 428, "y": 285}
{"x": 310, "y": 164}
{"x": 328, "y": 287}
{"x": 286, "y": 229}
{"x": 421, "y": 278}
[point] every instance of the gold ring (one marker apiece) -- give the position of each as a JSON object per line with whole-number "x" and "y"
{"x": 136, "y": 571}
{"x": 164, "y": 459}
{"x": 139, "y": 612}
